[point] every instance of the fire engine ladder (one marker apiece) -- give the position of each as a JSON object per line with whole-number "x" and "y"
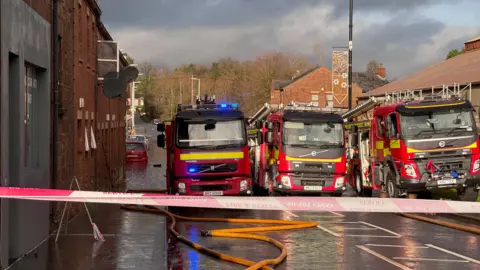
{"x": 457, "y": 91}
{"x": 361, "y": 108}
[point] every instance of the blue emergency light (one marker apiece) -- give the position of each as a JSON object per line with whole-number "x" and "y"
{"x": 234, "y": 105}
{"x": 223, "y": 105}
{"x": 192, "y": 170}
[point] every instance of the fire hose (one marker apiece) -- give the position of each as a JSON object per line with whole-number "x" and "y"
{"x": 244, "y": 233}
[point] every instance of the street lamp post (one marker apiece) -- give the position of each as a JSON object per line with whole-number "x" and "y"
{"x": 132, "y": 98}
{"x": 350, "y": 47}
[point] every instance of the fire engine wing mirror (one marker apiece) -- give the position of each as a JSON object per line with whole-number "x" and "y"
{"x": 161, "y": 140}
{"x": 259, "y": 137}
{"x": 269, "y": 137}
{"x": 161, "y": 127}
{"x": 269, "y": 125}
{"x": 258, "y": 124}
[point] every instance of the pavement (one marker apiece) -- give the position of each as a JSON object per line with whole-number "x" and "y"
{"x": 341, "y": 241}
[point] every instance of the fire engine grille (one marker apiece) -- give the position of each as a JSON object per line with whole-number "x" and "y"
{"x": 210, "y": 187}
{"x": 451, "y": 166}
{"x": 313, "y": 179}
{"x": 216, "y": 168}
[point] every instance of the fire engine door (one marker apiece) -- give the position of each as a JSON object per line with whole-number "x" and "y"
{"x": 379, "y": 133}
{"x": 392, "y": 140}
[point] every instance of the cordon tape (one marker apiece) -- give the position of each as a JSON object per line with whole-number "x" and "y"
{"x": 313, "y": 204}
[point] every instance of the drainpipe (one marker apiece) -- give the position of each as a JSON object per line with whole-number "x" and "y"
{"x": 56, "y": 101}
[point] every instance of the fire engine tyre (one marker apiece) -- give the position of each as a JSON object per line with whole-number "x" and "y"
{"x": 468, "y": 195}
{"x": 358, "y": 185}
{"x": 390, "y": 185}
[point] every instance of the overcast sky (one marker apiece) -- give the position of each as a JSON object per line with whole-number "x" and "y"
{"x": 404, "y": 35}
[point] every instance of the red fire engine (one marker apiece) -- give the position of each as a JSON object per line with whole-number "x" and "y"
{"x": 207, "y": 151}
{"x": 414, "y": 147}
{"x": 304, "y": 150}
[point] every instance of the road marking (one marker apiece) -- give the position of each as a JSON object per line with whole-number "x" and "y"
{"x": 366, "y": 229}
{"x": 336, "y": 214}
{"x": 453, "y": 253}
{"x": 394, "y": 246}
{"x": 383, "y": 229}
{"x": 290, "y": 213}
{"x": 373, "y": 227}
{"x": 328, "y": 231}
{"x": 426, "y": 259}
{"x": 380, "y": 256}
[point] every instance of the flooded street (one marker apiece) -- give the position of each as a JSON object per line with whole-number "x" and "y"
{"x": 341, "y": 241}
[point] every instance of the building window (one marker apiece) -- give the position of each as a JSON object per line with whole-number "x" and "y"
{"x": 30, "y": 116}
{"x": 329, "y": 100}
{"x": 314, "y": 97}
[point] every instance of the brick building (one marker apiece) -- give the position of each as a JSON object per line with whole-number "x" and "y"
{"x": 315, "y": 85}
{"x": 26, "y": 114}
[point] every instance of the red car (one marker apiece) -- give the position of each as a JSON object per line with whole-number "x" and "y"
{"x": 136, "y": 151}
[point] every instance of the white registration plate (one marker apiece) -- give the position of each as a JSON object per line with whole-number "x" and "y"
{"x": 447, "y": 182}
{"x": 213, "y": 193}
{"x": 317, "y": 188}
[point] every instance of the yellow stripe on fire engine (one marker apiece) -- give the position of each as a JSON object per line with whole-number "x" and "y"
{"x": 379, "y": 145}
{"x": 411, "y": 150}
{"x": 212, "y": 155}
{"x": 394, "y": 144}
{"x": 314, "y": 159}
{"x": 435, "y": 106}
{"x": 386, "y": 152}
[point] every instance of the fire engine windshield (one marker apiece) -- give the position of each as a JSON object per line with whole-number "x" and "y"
{"x": 440, "y": 122}
{"x": 315, "y": 134}
{"x": 205, "y": 134}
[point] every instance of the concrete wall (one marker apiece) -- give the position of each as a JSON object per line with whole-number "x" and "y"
{"x": 25, "y": 37}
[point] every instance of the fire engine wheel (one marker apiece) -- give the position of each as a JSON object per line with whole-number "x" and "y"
{"x": 468, "y": 195}
{"x": 358, "y": 182}
{"x": 391, "y": 187}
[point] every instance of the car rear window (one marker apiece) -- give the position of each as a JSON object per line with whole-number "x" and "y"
{"x": 136, "y": 138}
{"x": 135, "y": 146}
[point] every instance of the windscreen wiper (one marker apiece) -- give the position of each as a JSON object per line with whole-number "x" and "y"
{"x": 455, "y": 129}
{"x": 330, "y": 145}
{"x": 303, "y": 145}
{"x": 223, "y": 146}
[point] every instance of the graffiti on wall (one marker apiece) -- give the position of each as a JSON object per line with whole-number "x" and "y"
{"x": 340, "y": 75}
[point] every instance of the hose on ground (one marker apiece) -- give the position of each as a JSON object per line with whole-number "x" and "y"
{"x": 442, "y": 223}
{"x": 245, "y": 233}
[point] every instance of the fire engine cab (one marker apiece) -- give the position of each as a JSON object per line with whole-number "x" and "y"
{"x": 414, "y": 146}
{"x": 303, "y": 150}
{"x": 207, "y": 151}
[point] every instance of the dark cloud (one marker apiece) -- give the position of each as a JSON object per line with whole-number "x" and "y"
{"x": 245, "y": 28}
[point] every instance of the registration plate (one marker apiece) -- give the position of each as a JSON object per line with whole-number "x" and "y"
{"x": 312, "y": 188}
{"x": 132, "y": 156}
{"x": 213, "y": 193}
{"x": 447, "y": 182}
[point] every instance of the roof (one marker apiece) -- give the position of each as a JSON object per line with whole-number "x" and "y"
{"x": 462, "y": 69}
{"x": 359, "y": 78}
{"x": 473, "y": 39}
{"x": 209, "y": 114}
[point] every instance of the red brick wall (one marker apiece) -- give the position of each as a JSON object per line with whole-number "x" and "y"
{"x": 318, "y": 82}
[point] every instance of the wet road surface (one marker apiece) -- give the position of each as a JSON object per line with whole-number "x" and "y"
{"x": 341, "y": 241}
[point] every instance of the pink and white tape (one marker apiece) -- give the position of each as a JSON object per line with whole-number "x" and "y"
{"x": 314, "y": 204}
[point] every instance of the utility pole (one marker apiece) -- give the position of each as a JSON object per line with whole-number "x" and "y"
{"x": 180, "y": 97}
{"x": 191, "y": 81}
{"x": 350, "y": 45}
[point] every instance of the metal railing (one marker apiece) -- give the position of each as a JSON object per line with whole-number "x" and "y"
{"x": 446, "y": 92}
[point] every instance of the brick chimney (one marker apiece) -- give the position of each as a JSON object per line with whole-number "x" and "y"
{"x": 473, "y": 44}
{"x": 381, "y": 71}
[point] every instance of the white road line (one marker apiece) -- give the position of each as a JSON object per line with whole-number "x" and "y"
{"x": 376, "y": 236}
{"x": 328, "y": 231}
{"x": 290, "y": 213}
{"x": 394, "y": 246}
{"x": 366, "y": 229}
{"x": 380, "y": 256}
{"x": 383, "y": 229}
{"x": 426, "y": 259}
{"x": 336, "y": 214}
{"x": 453, "y": 253}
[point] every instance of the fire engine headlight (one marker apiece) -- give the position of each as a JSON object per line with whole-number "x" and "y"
{"x": 476, "y": 165}
{"x": 340, "y": 182}
{"x": 243, "y": 185}
{"x": 410, "y": 170}
{"x": 181, "y": 186}
{"x": 286, "y": 181}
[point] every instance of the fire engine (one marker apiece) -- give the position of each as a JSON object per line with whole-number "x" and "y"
{"x": 415, "y": 146}
{"x": 303, "y": 150}
{"x": 207, "y": 151}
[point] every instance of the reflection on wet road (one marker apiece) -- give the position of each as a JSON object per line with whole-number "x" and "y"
{"x": 351, "y": 241}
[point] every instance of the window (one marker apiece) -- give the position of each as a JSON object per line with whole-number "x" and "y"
{"x": 314, "y": 97}
{"x": 392, "y": 125}
{"x": 379, "y": 127}
{"x": 329, "y": 100}
{"x": 30, "y": 117}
